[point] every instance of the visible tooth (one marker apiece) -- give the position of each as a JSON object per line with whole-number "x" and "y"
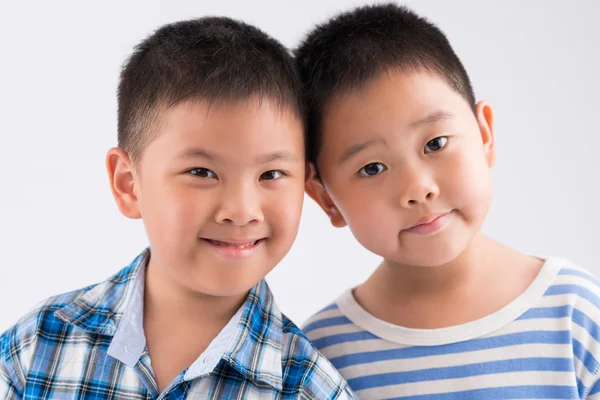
{"x": 239, "y": 246}
{"x": 235, "y": 246}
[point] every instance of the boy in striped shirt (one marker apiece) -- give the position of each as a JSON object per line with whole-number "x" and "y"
{"x": 401, "y": 152}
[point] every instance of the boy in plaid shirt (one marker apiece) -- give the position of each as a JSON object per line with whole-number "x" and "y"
{"x": 211, "y": 157}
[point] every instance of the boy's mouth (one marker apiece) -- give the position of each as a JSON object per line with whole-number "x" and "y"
{"x": 429, "y": 224}
{"x": 234, "y": 248}
{"x": 236, "y": 244}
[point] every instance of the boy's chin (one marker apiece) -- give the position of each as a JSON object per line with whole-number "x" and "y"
{"x": 426, "y": 258}
{"x": 230, "y": 289}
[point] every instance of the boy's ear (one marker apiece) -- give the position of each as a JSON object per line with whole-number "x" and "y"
{"x": 316, "y": 190}
{"x": 485, "y": 119}
{"x": 122, "y": 182}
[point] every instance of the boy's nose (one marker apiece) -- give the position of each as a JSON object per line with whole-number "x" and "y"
{"x": 239, "y": 207}
{"x": 420, "y": 189}
{"x": 408, "y": 201}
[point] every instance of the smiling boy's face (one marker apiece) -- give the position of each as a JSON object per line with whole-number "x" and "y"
{"x": 220, "y": 191}
{"x": 406, "y": 164}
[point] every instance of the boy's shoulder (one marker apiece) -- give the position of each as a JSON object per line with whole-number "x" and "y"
{"x": 574, "y": 292}
{"x": 578, "y": 290}
{"x": 91, "y": 307}
{"x": 50, "y": 324}
{"x": 46, "y": 315}
{"x": 329, "y": 313}
{"x": 572, "y": 274}
{"x": 329, "y": 323}
{"x": 18, "y": 341}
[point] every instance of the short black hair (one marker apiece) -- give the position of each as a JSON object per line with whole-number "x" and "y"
{"x": 350, "y": 49}
{"x": 212, "y": 59}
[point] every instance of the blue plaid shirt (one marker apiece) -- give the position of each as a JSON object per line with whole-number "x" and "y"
{"x": 90, "y": 344}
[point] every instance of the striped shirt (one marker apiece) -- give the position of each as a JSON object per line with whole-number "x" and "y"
{"x": 90, "y": 344}
{"x": 544, "y": 344}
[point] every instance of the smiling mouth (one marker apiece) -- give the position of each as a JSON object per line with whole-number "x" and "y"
{"x": 234, "y": 244}
{"x": 234, "y": 249}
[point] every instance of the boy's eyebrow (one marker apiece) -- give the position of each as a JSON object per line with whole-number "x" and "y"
{"x": 276, "y": 156}
{"x": 198, "y": 152}
{"x": 264, "y": 159}
{"x": 431, "y": 118}
{"x": 357, "y": 148}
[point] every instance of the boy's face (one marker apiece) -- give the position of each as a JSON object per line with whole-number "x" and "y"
{"x": 405, "y": 164}
{"x": 220, "y": 192}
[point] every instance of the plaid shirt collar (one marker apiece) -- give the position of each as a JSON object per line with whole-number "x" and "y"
{"x": 251, "y": 343}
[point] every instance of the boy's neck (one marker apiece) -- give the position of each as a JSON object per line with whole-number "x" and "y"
{"x": 179, "y": 323}
{"x": 167, "y": 299}
{"x": 433, "y": 281}
{"x": 482, "y": 280}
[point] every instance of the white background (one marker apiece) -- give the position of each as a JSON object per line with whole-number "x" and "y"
{"x": 537, "y": 62}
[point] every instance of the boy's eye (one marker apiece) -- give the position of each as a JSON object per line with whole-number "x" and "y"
{"x": 436, "y": 144}
{"x": 203, "y": 173}
{"x": 372, "y": 169}
{"x": 271, "y": 175}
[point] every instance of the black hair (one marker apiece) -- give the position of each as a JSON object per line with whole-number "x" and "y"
{"x": 210, "y": 58}
{"x": 350, "y": 49}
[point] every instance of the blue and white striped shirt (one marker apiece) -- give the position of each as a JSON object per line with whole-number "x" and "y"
{"x": 544, "y": 344}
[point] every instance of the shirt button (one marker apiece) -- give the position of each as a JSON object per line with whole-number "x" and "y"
{"x": 126, "y": 348}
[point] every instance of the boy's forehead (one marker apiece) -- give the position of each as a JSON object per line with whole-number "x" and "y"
{"x": 230, "y": 128}
{"x": 200, "y": 112}
{"x": 411, "y": 83}
{"x": 395, "y": 95}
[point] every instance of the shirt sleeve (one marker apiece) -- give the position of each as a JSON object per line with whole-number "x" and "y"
{"x": 10, "y": 389}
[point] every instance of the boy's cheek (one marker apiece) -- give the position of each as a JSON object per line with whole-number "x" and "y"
{"x": 466, "y": 179}
{"x": 286, "y": 212}
{"x": 371, "y": 224}
{"x": 174, "y": 219}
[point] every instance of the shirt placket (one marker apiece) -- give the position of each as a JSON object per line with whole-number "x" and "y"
{"x": 143, "y": 369}
{"x": 178, "y": 389}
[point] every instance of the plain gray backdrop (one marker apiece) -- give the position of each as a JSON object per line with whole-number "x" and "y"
{"x": 536, "y": 62}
